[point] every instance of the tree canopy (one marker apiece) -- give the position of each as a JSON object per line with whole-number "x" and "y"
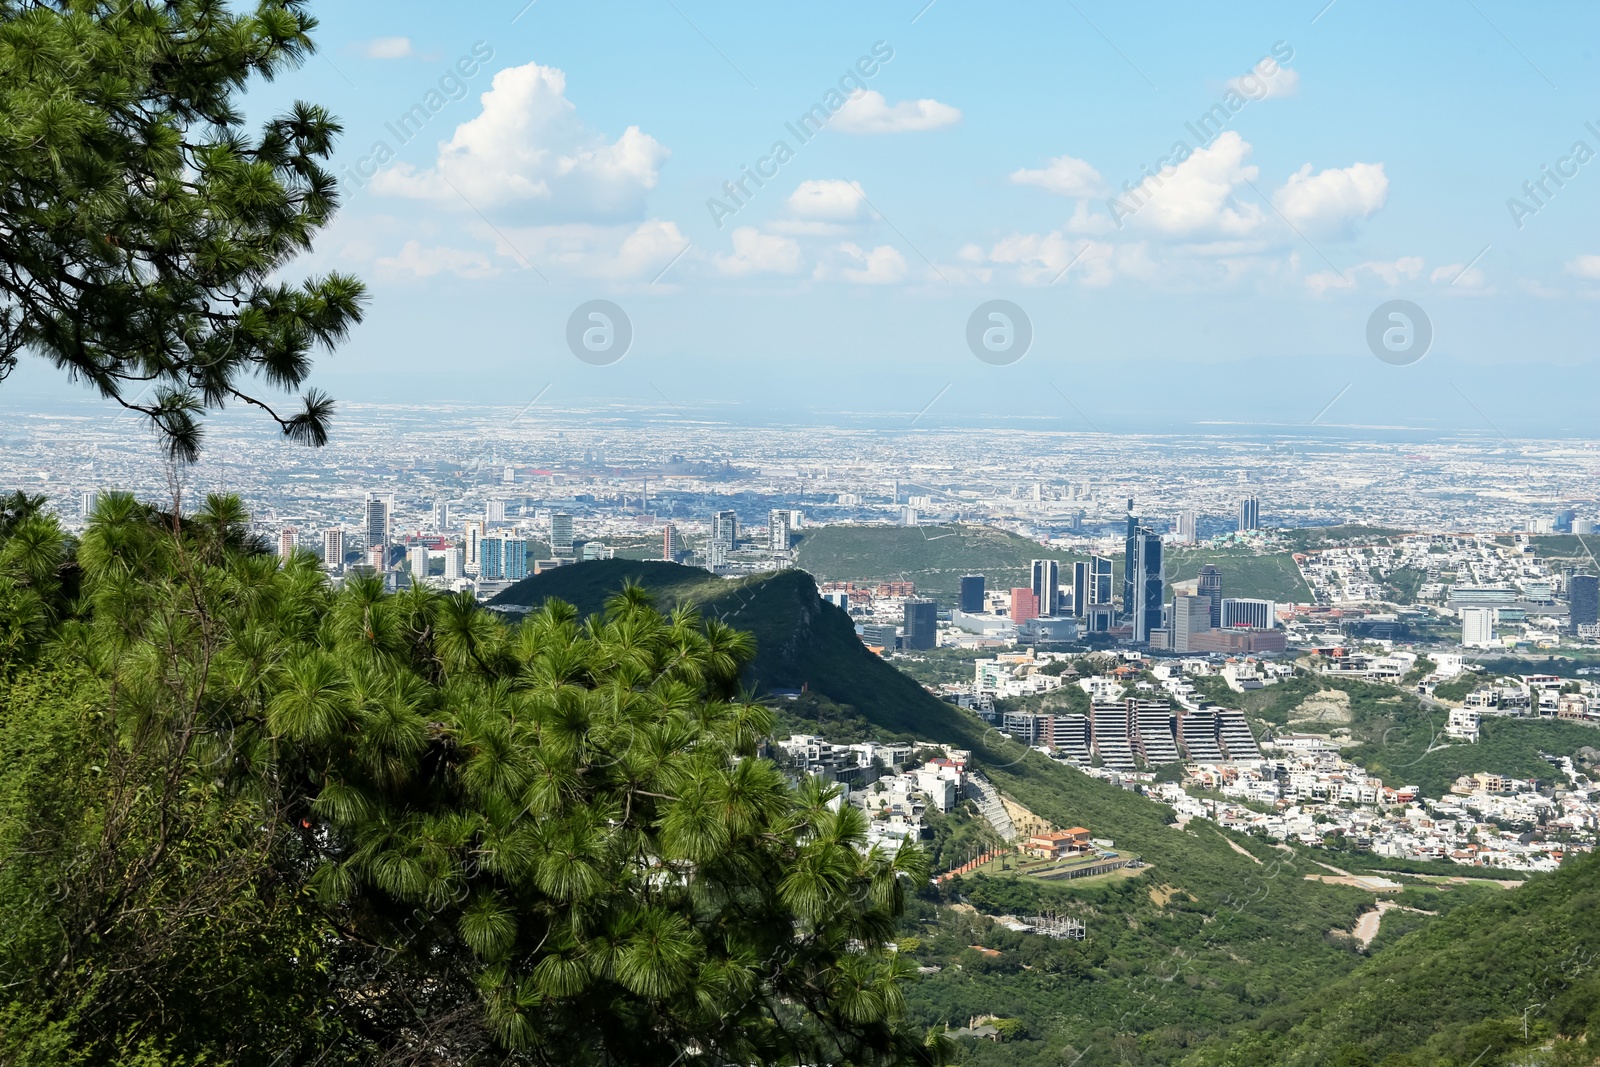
{"x": 144, "y": 229}
{"x": 247, "y": 816}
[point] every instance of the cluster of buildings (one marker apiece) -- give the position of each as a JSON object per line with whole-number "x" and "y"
{"x": 1312, "y": 796}
{"x": 882, "y": 780}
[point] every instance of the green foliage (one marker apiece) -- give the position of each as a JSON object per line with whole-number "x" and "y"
{"x": 1245, "y": 572}
{"x": 248, "y": 818}
{"x": 145, "y": 228}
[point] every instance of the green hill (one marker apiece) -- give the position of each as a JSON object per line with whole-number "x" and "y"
{"x": 1241, "y": 925}
{"x": 1503, "y": 980}
{"x": 935, "y": 557}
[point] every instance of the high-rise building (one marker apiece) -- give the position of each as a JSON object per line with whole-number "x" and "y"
{"x": 1583, "y": 527}
{"x": 441, "y": 515}
{"x": 454, "y": 566}
{"x": 376, "y": 524}
{"x": 561, "y": 534}
{"x": 1477, "y": 627}
{"x": 378, "y": 558}
{"x": 492, "y": 559}
{"x": 1149, "y": 584}
{"x": 417, "y": 559}
{"x": 1191, "y": 615}
{"x": 1047, "y": 586}
{"x": 516, "y": 559}
{"x": 333, "y": 551}
{"x": 1583, "y": 600}
{"x": 1209, "y": 584}
{"x": 288, "y": 540}
{"x": 669, "y": 542}
{"x": 1100, "y": 582}
{"x": 1024, "y": 605}
{"x": 1249, "y": 514}
{"x": 1187, "y": 523}
{"x": 1080, "y": 587}
{"x": 1240, "y": 613}
{"x": 921, "y": 623}
{"x": 88, "y": 501}
{"x": 1129, "y": 549}
{"x": 880, "y": 635}
{"x": 725, "y": 528}
{"x": 972, "y": 593}
{"x": 778, "y": 526}
{"x": 494, "y": 511}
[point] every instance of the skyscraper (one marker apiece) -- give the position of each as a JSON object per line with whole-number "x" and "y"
{"x": 778, "y": 531}
{"x": 474, "y": 546}
{"x": 333, "y": 551}
{"x": 725, "y": 528}
{"x": 1477, "y": 627}
{"x": 1583, "y": 600}
{"x": 1191, "y": 615}
{"x": 1099, "y": 582}
{"x": 1210, "y": 585}
{"x": 376, "y": 525}
{"x": 921, "y": 623}
{"x": 90, "y": 497}
{"x": 1249, "y": 514}
{"x": 516, "y": 559}
{"x": 1149, "y": 584}
{"x": 1129, "y": 548}
{"x": 454, "y": 568}
{"x": 1080, "y": 587}
{"x": 669, "y": 542}
{"x": 288, "y": 539}
{"x": 441, "y": 515}
{"x": 417, "y": 560}
{"x": 561, "y": 534}
{"x": 378, "y": 558}
{"x": 492, "y": 559}
{"x": 972, "y": 593}
{"x": 494, "y": 511}
{"x": 1047, "y": 586}
{"x": 1024, "y": 605}
{"x": 1187, "y": 522}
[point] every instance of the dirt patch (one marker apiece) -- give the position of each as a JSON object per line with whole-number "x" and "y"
{"x": 1328, "y": 706}
{"x": 1026, "y": 822}
{"x": 1161, "y": 896}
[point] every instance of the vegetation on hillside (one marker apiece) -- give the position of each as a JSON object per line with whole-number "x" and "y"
{"x": 248, "y": 818}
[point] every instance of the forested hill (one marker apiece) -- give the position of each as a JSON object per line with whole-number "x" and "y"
{"x": 1513, "y": 978}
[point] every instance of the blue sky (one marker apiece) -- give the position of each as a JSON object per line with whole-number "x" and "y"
{"x": 1371, "y": 158}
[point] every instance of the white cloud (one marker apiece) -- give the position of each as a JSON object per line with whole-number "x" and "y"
{"x": 755, "y": 252}
{"x": 1390, "y": 272}
{"x": 1272, "y": 83}
{"x": 1334, "y": 200}
{"x": 585, "y": 250}
{"x": 828, "y": 200}
{"x": 882, "y": 265}
{"x": 388, "y": 48}
{"x": 418, "y": 262}
{"x": 869, "y": 112}
{"x": 529, "y": 151}
{"x": 1196, "y": 197}
{"x": 1064, "y": 176}
{"x": 1585, "y": 267}
{"x": 1458, "y": 275}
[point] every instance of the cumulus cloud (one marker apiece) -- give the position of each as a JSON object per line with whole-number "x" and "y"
{"x": 388, "y": 48}
{"x": 882, "y": 265}
{"x": 1585, "y": 267}
{"x": 1459, "y": 275}
{"x": 1197, "y": 196}
{"x": 827, "y": 200}
{"x": 415, "y": 261}
{"x": 1271, "y": 83}
{"x": 1390, "y": 272}
{"x": 587, "y": 250}
{"x": 755, "y": 252}
{"x": 868, "y": 112}
{"x": 1334, "y": 200}
{"x": 1064, "y": 176}
{"x": 529, "y": 153}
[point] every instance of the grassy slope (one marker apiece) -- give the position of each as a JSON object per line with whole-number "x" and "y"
{"x": 936, "y": 557}
{"x": 1252, "y": 927}
{"x": 1461, "y": 987}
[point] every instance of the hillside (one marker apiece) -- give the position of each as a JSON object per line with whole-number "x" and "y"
{"x": 1493, "y": 982}
{"x": 1239, "y": 925}
{"x": 935, "y": 557}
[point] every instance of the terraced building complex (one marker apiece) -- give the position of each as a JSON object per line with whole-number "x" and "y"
{"x": 1116, "y": 732}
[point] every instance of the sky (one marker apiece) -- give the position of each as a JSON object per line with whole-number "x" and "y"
{"x": 1196, "y": 215}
